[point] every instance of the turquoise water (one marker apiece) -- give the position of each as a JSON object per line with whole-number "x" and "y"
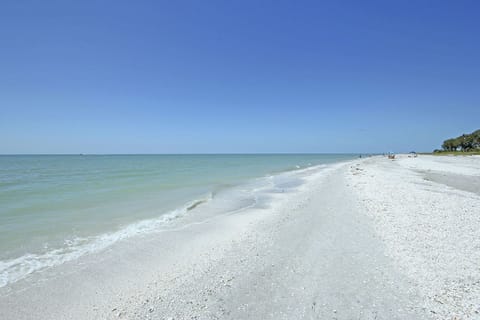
{"x": 57, "y": 208}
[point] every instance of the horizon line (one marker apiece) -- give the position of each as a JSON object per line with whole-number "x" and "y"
{"x": 176, "y": 154}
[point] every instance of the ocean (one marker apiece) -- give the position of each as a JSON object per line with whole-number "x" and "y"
{"x": 57, "y": 208}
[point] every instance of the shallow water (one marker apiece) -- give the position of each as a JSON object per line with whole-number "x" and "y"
{"x": 57, "y": 208}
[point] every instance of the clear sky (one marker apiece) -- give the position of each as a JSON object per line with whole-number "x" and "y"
{"x": 237, "y": 76}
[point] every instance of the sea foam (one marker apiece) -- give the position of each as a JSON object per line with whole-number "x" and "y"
{"x": 16, "y": 269}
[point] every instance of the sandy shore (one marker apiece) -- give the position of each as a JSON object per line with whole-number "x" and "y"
{"x": 427, "y": 212}
{"x": 366, "y": 239}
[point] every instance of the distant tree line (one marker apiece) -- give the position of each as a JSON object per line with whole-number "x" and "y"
{"x": 465, "y": 142}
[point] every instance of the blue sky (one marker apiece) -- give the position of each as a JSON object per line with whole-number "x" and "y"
{"x": 244, "y": 76}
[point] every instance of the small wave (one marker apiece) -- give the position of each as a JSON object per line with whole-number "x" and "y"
{"x": 16, "y": 269}
{"x": 195, "y": 204}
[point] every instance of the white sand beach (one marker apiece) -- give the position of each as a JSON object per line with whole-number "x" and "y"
{"x": 365, "y": 239}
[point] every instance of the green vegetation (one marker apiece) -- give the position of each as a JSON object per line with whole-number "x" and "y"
{"x": 455, "y": 153}
{"x": 464, "y": 144}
